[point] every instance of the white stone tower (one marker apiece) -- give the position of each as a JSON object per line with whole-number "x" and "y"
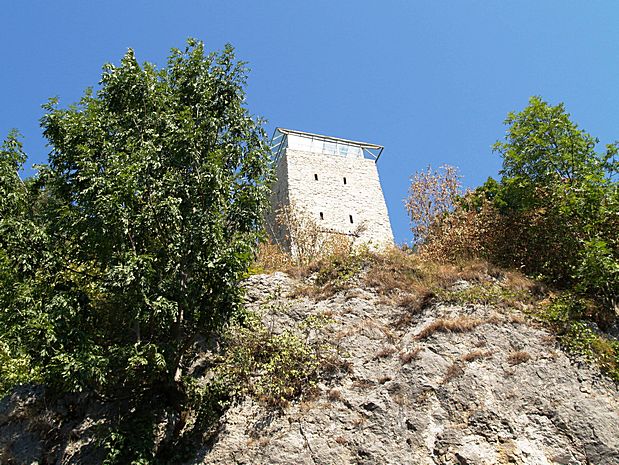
{"x": 333, "y": 180}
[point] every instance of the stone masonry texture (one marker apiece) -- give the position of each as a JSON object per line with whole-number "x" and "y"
{"x": 342, "y": 194}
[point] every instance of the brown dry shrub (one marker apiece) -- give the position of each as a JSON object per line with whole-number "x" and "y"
{"x": 413, "y": 282}
{"x": 299, "y": 246}
{"x": 410, "y": 281}
{"x": 313, "y": 291}
{"x": 334, "y": 394}
{"x": 414, "y": 303}
{"x": 392, "y": 271}
{"x": 271, "y": 257}
{"x": 409, "y": 356}
{"x": 517, "y": 281}
{"x": 517, "y": 319}
{"x": 385, "y": 352}
{"x": 518, "y": 357}
{"x": 475, "y": 355}
{"x": 306, "y": 240}
{"x": 397, "y": 271}
{"x": 431, "y": 195}
{"x": 478, "y": 270}
{"x": 462, "y": 235}
{"x": 345, "y": 333}
{"x": 333, "y": 366}
{"x": 530, "y": 240}
{"x": 399, "y": 274}
{"x": 403, "y": 279}
{"x": 411, "y": 305}
{"x": 459, "y": 324}
{"x": 454, "y": 371}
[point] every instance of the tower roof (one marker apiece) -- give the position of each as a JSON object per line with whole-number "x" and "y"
{"x": 283, "y": 138}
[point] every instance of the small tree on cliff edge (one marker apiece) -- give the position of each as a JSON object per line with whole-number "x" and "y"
{"x": 564, "y": 196}
{"x": 146, "y": 219}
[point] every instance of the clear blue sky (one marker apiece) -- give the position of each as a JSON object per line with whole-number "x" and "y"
{"x": 432, "y": 81}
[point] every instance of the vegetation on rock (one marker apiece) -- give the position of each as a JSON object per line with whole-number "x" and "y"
{"x": 554, "y": 215}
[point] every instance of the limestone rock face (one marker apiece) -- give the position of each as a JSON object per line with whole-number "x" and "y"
{"x": 502, "y": 392}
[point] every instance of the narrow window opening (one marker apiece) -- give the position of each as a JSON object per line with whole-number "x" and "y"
{"x": 315, "y": 177}
{"x": 350, "y": 217}
{"x": 344, "y": 180}
{"x": 322, "y": 217}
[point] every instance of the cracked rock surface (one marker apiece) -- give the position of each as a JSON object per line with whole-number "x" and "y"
{"x": 499, "y": 391}
{"x": 502, "y": 392}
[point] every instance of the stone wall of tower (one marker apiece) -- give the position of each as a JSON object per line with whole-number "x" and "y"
{"x": 279, "y": 198}
{"x": 342, "y": 194}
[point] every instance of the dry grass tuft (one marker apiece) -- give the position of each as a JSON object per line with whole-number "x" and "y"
{"x": 346, "y": 333}
{"x": 517, "y": 319}
{"x": 519, "y": 282}
{"x": 414, "y": 281}
{"x": 385, "y": 352}
{"x": 494, "y": 319}
{"x": 396, "y": 272}
{"x": 454, "y": 371}
{"x": 363, "y": 383}
{"x": 476, "y": 355}
{"x": 518, "y": 357}
{"x": 412, "y": 305}
{"x": 354, "y": 293}
{"x": 312, "y": 291}
{"x": 333, "y": 366}
{"x": 400, "y": 398}
{"x": 270, "y": 258}
{"x": 460, "y": 324}
{"x": 307, "y": 405}
{"x": 549, "y": 340}
{"x": 415, "y": 303}
{"x": 334, "y": 395}
{"x": 259, "y": 442}
{"x": 407, "y": 357}
{"x": 410, "y": 281}
{"x": 263, "y": 441}
{"x": 372, "y": 328}
{"x": 301, "y": 233}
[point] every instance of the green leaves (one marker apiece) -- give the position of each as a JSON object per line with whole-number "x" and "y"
{"x": 544, "y": 149}
{"x": 129, "y": 245}
{"x": 273, "y": 368}
{"x": 551, "y": 170}
{"x": 15, "y": 368}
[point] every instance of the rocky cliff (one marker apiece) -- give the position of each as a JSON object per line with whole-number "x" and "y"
{"x": 467, "y": 384}
{"x": 462, "y": 385}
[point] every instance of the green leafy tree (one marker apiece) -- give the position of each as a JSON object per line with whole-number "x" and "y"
{"x": 553, "y": 176}
{"x": 128, "y": 247}
{"x": 546, "y": 154}
{"x": 15, "y": 228}
{"x": 553, "y": 214}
